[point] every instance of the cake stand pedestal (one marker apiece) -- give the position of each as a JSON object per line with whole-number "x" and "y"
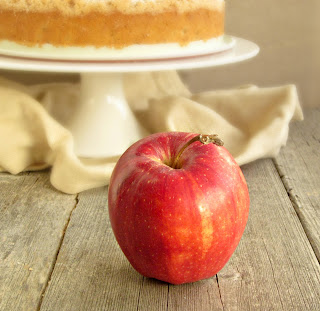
{"x": 104, "y": 125}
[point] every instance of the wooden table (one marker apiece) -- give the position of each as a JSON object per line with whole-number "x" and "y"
{"x": 58, "y": 252}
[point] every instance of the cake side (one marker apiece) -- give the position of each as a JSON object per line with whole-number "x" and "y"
{"x": 113, "y": 30}
{"x": 110, "y": 23}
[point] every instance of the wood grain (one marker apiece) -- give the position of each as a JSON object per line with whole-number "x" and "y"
{"x": 299, "y": 167}
{"x": 91, "y": 272}
{"x": 274, "y": 267}
{"x": 33, "y": 217}
{"x": 200, "y": 296}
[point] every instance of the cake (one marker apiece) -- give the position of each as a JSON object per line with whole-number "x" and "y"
{"x": 110, "y": 23}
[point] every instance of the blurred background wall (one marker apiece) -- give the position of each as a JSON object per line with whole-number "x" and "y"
{"x": 288, "y": 33}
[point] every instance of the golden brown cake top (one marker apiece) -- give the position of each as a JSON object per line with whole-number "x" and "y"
{"x": 79, "y": 7}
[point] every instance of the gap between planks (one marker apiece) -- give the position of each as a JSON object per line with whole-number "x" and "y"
{"x": 33, "y": 216}
{"x": 57, "y": 254}
{"x": 298, "y": 166}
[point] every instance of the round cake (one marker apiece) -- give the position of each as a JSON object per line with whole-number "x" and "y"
{"x": 110, "y": 23}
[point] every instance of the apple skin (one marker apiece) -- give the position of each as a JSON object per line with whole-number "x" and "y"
{"x": 177, "y": 225}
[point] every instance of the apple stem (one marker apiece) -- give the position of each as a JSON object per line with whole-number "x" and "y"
{"x": 204, "y": 139}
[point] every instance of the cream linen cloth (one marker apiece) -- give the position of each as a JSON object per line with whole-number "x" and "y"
{"x": 253, "y": 122}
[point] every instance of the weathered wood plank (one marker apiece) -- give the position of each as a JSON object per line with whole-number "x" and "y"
{"x": 203, "y": 295}
{"x": 200, "y": 296}
{"x": 274, "y": 267}
{"x": 91, "y": 272}
{"x": 153, "y": 295}
{"x": 299, "y": 167}
{"x": 33, "y": 217}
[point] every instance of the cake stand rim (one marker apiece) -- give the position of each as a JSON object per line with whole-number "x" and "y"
{"x": 137, "y": 52}
{"x": 242, "y": 50}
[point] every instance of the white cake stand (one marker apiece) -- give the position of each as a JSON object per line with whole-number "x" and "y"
{"x": 103, "y": 110}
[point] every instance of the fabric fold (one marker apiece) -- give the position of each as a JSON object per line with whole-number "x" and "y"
{"x": 253, "y": 122}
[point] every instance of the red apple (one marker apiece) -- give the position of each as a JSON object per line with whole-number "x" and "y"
{"x": 177, "y": 224}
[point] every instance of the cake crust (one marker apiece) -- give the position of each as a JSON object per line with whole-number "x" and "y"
{"x": 82, "y": 7}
